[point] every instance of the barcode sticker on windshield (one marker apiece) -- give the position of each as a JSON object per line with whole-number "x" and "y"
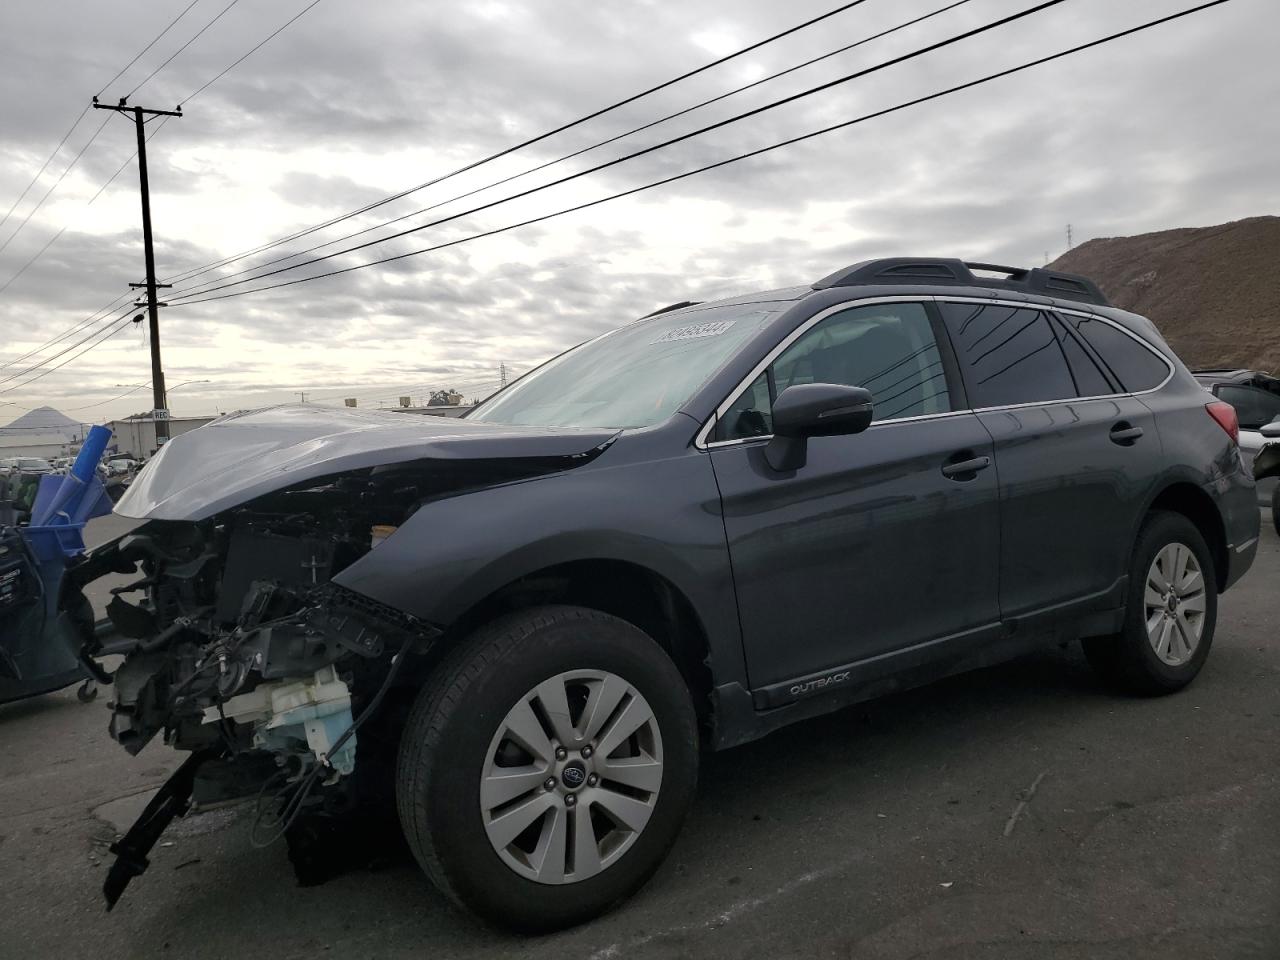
{"x": 695, "y": 331}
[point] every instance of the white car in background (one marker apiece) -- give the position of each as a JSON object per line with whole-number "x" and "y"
{"x": 1256, "y": 398}
{"x": 120, "y": 466}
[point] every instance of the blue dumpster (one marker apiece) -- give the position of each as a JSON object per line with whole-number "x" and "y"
{"x": 39, "y": 644}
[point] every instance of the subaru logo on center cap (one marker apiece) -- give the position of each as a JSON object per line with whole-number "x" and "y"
{"x": 573, "y": 775}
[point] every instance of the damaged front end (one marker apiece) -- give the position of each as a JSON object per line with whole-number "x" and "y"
{"x": 238, "y": 644}
{"x": 238, "y": 648}
{"x": 234, "y": 635}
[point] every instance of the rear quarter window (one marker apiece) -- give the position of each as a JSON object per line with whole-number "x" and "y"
{"x": 1135, "y": 366}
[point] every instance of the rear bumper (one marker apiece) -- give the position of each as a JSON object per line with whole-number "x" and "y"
{"x": 1239, "y": 560}
{"x": 1237, "y": 501}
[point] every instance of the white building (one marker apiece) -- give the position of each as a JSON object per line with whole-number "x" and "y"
{"x": 136, "y": 436}
{"x": 45, "y": 446}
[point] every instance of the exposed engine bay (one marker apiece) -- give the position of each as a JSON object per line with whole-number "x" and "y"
{"x": 239, "y": 648}
{"x": 234, "y": 635}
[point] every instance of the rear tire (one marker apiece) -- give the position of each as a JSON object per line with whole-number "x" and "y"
{"x": 1275, "y": 508}
{"x": 1170, "y": 614}
{"x": 459, "y": 739}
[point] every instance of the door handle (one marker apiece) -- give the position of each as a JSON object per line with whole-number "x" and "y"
{"x": 1124, "y": 434}
{"x": 965, "y": 469}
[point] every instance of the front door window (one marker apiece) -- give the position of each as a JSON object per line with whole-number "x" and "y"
{"x": 887, "y": 348}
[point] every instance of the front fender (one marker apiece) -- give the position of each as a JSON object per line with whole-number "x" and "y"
{"x": 663, "y": 515}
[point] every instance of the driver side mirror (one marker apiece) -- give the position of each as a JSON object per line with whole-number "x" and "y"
{"x": 814, "y": 410}
{"x": 1271, "y": 430}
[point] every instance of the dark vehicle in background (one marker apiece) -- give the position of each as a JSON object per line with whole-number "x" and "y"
{"x": 521, "y": 627}
{"x": 1256, "y": 397}
{"x": 34, "y": 466}
{"x": 19, "y": 483}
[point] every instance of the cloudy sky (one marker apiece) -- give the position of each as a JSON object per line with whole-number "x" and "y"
{"x": 356, "y": 101}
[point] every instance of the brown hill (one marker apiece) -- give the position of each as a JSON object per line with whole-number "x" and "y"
{"x": 1214, "y": 292}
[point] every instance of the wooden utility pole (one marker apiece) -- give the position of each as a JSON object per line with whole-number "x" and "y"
{"x": 153, "y": 304}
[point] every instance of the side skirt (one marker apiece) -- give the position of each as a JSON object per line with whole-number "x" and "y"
{"x": 743, "y": 715}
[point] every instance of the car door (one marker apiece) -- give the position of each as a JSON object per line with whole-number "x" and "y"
{"x": 1076, "y": 457}
{"x": 884, "y": 540}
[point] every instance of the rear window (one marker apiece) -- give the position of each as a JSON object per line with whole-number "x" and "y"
{"x": 1136, "y": 367}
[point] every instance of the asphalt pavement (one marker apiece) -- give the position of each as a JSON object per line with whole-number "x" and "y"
{"x": 1018, "y": 812}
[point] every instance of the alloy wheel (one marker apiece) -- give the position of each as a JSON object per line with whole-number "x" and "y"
{"x": 1175, "y": 604}
{"x": 571, "y": 776}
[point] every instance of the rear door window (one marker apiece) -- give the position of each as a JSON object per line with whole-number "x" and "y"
{"x": 1010, "y": 355}
{"x": 1135, "y": 366}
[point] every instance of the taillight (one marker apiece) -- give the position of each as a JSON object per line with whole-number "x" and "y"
{"x": 1225, "y": 414}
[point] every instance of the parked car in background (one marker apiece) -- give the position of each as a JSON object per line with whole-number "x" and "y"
{"x": 1266, "y": 467}
{"x": 120, "y": 466}
{"x": 1256, "y": 397}
{"x": 20, "y": 481}
{"x": 34, "y": 465}
{"x": 686, "y": 533}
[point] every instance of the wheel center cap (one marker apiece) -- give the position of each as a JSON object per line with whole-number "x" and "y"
{"x": 573, "y": 775}
{"x": 1172, "y": 603}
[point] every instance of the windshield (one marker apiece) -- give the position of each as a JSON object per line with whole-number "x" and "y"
{"x": 635, "y": 376}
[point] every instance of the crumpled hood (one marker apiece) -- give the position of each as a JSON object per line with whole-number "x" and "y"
{"x": 240, "y": 457}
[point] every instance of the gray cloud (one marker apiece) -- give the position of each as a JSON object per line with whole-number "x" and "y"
{"x": 1170, "y": 128}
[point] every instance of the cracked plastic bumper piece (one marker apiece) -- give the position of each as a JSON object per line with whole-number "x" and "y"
{"x": 172, "y": 800}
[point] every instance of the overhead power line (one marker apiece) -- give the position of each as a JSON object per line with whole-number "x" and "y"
{"x": 154, "y": 40}
{"x": 121, "y": 325}
{"x": 275, "y": 33}
{"x": 44, "y": 166}
{"x": 271, "y": 36}
{"x": 64, "y": 351}
{"x": 102, "y": 403}
{"x": 70, "y": 166}
{"x": 577, "y": 153}
{"x": 98, "y": 314}
{"x": 58, "y": 236}
{"x": 173, "y": 56}
{"x": 81, "y": 116}
{"x": 811, "y": 91}
{"x": 744, "y": 156}
{"x": 186, "y": 275}
{"x": 70, "y": 331}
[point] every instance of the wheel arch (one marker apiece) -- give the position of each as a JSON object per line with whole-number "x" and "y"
{"x": 625, "y": 589}
{"x": 1197, "y": 506}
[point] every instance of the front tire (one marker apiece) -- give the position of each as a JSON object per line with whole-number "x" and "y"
{"x": 547, "y": 767}
{"x": 1170, "y": 614}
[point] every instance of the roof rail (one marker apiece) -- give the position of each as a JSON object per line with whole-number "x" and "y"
{"x": 948, "y": 272}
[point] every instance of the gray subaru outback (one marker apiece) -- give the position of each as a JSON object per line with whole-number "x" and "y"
{"x": 518, "y": 629}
